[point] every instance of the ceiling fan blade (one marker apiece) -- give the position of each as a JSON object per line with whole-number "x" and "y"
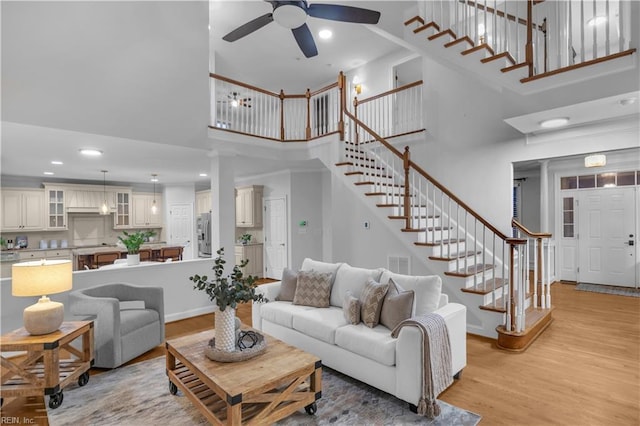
{"x": 249, "y": 27}
{"x": 304, "y": 39}
{"x": 337, "y": 12}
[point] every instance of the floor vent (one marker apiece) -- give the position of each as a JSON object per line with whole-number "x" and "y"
{"x": 399, "y": 264}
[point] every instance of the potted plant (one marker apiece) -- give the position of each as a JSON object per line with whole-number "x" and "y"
{"x": 133, "y": 241}
{"x": 227, "y": 292}
{"x": 245, "y": 238}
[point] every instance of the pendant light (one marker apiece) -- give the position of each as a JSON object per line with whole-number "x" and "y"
{"x": 104, "y": 210}
{"x": 154, "y": 207}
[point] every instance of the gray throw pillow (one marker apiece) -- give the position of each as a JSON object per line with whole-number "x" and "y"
{"x": 397, "y": 305}
{"x": 313, "y": 289}
{"x": 288, "y": 285}
{"x": 371, "y": 300}
{"x": 351, "y": 308}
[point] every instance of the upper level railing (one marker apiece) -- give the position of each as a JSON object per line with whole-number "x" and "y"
{"x": 242, "y": 108}
{"x": 545, "y": 35}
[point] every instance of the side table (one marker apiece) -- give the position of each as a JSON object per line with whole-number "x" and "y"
{"x": 41, "y": 370}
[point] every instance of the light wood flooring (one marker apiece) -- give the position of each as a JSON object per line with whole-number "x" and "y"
{"x": 583, "y": 370}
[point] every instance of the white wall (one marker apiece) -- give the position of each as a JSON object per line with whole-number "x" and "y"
{"x": 306, "y": 204}
{"x": 180, "y": 299}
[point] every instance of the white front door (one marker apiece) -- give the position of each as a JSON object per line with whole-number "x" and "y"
{"x": 181, "y": 228}
{"x": 275, "y": 237}
{"x": 607, "y": 236}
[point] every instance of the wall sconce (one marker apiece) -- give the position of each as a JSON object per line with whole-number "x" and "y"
{"x": 154, "y": 207}
{"x": 357, "y": 88}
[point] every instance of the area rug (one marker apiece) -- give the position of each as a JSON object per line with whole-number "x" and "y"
{"x": 609, "y": 289}
{"x": 139, "y": 395}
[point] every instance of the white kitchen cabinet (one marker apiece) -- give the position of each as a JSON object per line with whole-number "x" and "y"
{"x": 56, "y": 212}
{"x": 142, "y": 214}
{"x": 45, "y": 254}
{"x": 22, "y": 210}
{"x": 122, "y": 216}
{"x": 252, "y": 252}
{"x": 203, "y": 202}
{"x": 249, "y": 206}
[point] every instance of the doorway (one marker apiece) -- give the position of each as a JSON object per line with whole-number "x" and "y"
{"x": 275, "y": 237}
{"x": 181, "y": 228}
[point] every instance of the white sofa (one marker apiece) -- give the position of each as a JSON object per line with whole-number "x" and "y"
{"x": 370, "y": 355}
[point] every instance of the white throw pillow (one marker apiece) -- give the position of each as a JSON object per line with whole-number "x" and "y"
{"x": 353, "y": 280}
{"x": 427, "y": 290}
{"x": 316, "y": 265}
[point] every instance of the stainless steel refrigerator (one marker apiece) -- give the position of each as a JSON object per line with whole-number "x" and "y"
{"x": 203, "y": 225}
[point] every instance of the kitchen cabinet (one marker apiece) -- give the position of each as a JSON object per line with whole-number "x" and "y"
{"x": 249, "y": 206}
{"x": 122, "y": 216}
{"x": 56, "y": 214}
{"x": 45, "y": 254}
{"x": 203, "y": 202}
{"x": 252, "y": 252}
{"x": 22, "y": 210}
{"x": 142, "y": 216}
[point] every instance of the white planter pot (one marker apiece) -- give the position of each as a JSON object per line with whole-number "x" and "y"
{"x": 133, "y": 259}
{"x": 226, "y": 330}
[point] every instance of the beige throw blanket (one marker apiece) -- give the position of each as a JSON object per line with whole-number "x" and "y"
{"x": 436, "y": 360}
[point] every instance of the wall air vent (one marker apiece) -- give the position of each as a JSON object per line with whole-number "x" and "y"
{"x": 399, "y": 264}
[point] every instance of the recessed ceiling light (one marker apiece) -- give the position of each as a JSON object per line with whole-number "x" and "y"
{"x": 325, "y": 34}
{"x": 203, "y": 175}
{"x": 597, "y": 20}
{"x": 57, "y": 163}
{"x": 48, "y": 173}
{"x": 554, "y": 122}
{"x": 91, "y": 152}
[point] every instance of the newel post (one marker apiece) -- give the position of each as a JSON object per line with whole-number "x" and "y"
{"x": 308, "y": 129}
{"x": 281, "y": 114}
{"x": 540, "y": 296}
{"x": 406, "y": 157}
{"x": 343, "y": 102}
{"x": 355, "y": 113}
{"x": 529, "y": 46}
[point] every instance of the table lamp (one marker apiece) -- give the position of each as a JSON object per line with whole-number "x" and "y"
{"x": 39, "y": 278}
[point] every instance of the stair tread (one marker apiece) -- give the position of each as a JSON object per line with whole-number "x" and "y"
{"x": 489, "y": 286}
{"x": 442, "y": 33}
{"x": 479, "y": 47}
{"x": 344, "y": 163}
{"x": 437, "y": 243}
{"x": 470, "y": 270}
{"x": 413, "y": 217}
{"x": 456, "y": 256}
{"x": 514, "y": 67}
{"x": 426, "y": 26}
{"x": 458, "y": 41}
{"x": 503, "y": 55}
{"x": 353, "y": 173}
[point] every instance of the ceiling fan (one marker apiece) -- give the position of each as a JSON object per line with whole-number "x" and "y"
{"x": 235, "y": 101}
{"x": 293, "y": 15}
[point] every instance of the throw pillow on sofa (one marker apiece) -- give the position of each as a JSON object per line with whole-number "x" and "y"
{"x": 397, "y": 305}
{"x": 315, "y": 265}
{"x": 350, "y": 278}
{"x": 427, "y": 290}
{"x": 288, "y": 286}
{"x": 351, "y": 308}
{"x": 371, "y": 300}
{"x": 313, "y": 289}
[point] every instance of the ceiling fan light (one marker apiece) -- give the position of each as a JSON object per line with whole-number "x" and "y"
{"x": 325, "y": 34}
{"x": 290, "y": 16}
{"x": 235, "y": 103}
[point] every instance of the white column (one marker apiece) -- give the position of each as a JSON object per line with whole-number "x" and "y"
{"x": 544, "y": 196}
{"x": 223, "y": 206}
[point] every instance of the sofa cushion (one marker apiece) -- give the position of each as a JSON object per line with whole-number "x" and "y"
{"x": 396, "y": 306}
{"x": 281, "y": 313}
{"x": 315, "y": 265}
{"x": 288, "y": 285}
{"x": 427, "y": 290}
{"x": 352, "y": 279}
{"x": 313, "y": 289}
{"x": 373, "y": 343}
{"x": 319, "y": 323}
{"x": 133, "y": 319}
{"x": 351, "y": 308}
{"x": 371, "y": 302}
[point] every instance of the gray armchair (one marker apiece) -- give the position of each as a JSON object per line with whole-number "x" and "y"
{"x": 122, "y": 331}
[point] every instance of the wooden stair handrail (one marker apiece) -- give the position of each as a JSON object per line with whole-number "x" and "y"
{"x": 426, "y": 175}
{"x": 527, "y": 232}
{"x": 389, "y": 92}
{"x": 500, "y": 13}
{"x": 245, "y": 85}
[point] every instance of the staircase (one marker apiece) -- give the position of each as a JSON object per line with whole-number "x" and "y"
{"x": 526, "y": 46}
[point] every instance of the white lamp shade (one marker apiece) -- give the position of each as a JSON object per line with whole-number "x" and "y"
{"x": 42, "y": 277}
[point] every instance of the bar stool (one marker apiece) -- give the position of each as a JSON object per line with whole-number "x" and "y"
{"x": 105, "y": 258}
{"x": 173, "y": 253}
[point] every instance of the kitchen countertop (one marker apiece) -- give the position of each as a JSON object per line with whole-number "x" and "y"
{"x": 249, "y": 244}
{"x": 80, "y": 251}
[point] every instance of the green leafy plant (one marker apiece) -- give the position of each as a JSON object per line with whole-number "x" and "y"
{"x": 230, "y": 290}
{"x": 245, "y": 238}
{"x": 133, "y": 241}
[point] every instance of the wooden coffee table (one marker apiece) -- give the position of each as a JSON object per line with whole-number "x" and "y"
{"x": 261, "y": 390}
